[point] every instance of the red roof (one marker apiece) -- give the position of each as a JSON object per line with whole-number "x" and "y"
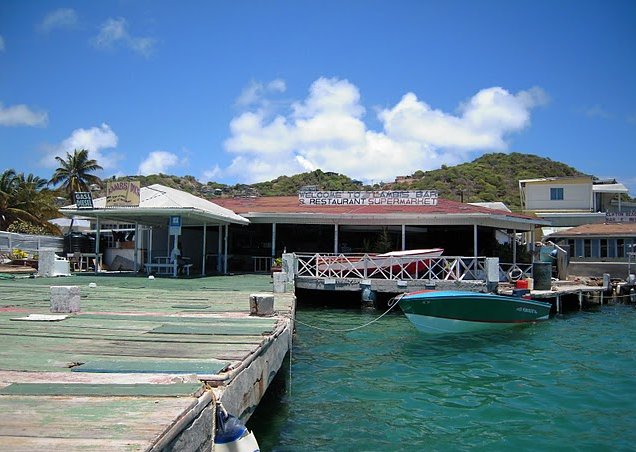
{"x": 605, "y": 230}
{"x": 291, "y": 205}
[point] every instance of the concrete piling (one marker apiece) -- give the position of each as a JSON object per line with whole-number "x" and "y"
{"x": 65, "y": 299}
{"x": 261, "y": 304}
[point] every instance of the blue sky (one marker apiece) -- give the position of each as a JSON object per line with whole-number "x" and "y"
{"x": 245, "y": 91}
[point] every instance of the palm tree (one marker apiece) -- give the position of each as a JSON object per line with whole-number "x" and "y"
{"x": 25, "y": 198}
{"x": 74, "y": 172}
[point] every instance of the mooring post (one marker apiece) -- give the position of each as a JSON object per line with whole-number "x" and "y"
{"x": 558, "y": 303}
{"x": 580, "y": 300}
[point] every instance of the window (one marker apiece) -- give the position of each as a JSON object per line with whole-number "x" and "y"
{"x": 603, "y": 247}
{"x": 587, "y": 248}
{"x": 556, "y": 194}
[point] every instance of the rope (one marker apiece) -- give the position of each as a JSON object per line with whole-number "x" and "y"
{"x": 392, "y": 303}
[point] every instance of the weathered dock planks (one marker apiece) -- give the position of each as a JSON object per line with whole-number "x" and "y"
{"x": 133, "y": 369}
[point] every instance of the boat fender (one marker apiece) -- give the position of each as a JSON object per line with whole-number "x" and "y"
{"x": 232, "y": 435}
{"x": 515, "y": 274}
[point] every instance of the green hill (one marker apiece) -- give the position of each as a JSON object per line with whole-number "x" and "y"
{"x": 491, "y": 177}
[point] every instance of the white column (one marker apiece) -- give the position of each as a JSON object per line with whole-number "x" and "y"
{"x": 273, "y": 240}
{"x": 227, "y": 227}
{"x": 150, "y": 245}
{"x": 136, "y": 252}
{"x": 403, "y": 237}
{"x": 218, "y": 250}
{"x": 205, "y": 232}
{"x": 98, "y": 261}
{"x": 174, "y": 264}
{"x": 475, "y": 244}
{"x": 335, "y": 238}
{"x": 514, "y": 246}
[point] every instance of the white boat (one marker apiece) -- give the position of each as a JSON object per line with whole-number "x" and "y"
{"x": 408, "y": 260}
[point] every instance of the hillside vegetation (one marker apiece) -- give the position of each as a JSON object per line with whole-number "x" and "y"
{"x": 491, "y": 177}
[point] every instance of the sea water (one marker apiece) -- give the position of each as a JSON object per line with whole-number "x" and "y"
{"x": 568, "y": 384}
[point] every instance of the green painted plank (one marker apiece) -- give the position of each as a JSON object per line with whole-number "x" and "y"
{"x": 211, "y": 330}
{"x": 104, "y": 390}
{"x": 154, "y": 366}
{"x": 175, "y": 319}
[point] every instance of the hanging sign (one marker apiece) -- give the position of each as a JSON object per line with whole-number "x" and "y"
{"x": 369, "y": 198}
{"x": 123, "y": 193}
{"x": 175, "y": 225}
{"x": 83, "y": 200}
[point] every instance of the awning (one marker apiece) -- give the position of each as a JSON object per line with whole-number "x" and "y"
{"x": 158, "y": 203}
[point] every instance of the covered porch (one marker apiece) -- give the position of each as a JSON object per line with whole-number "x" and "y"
{"x": 173, "y": 232}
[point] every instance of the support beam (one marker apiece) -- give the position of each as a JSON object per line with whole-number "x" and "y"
{"x": 137, "y": 245}
{"x": 205, "y": 247}
{"x": 403, "y": 237}
{"x": 219, "y": 250}
{"x": 475, "y": 244}
{"x": 150, "y": 245}
{"x": 273, "y": 240}
{"x": 227, "y": 227}
{"x": 98, "y": 261}
{"x": 514, "y": 246}
{"x": 335, "y": 238}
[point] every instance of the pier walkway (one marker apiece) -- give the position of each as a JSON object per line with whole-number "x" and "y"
{"x": 140, "y": 367}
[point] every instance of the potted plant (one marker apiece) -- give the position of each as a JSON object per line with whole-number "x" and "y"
{"x": 277, "y": 265}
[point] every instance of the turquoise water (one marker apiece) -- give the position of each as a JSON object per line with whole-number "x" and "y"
{"x": 565, "y": 384}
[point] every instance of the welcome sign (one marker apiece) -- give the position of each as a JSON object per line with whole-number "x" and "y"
{"x": 369, "y": 198}
{"x": 122, "y": 193}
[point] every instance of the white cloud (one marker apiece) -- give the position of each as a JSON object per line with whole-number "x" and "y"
{"x": 22, "y": 115}
{"x": 96, "y": 140}
{"x": 158, "y": 162}
{"x": 114, "y": 33}
{"x": 58, "y": 19}
{"x": 2, "y": 47}
{"x": 254, "y": 92}
{"x": 326, "y": 130}
{"x": 212, "y": 174}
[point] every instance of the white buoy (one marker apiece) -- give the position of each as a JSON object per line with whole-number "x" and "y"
{"x": 92, "y": 285}
{"x": 151, "y": 277}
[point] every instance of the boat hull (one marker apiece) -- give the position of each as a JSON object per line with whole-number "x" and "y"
{"x": 464, "y": 312}
{"x": 409, "y": 261}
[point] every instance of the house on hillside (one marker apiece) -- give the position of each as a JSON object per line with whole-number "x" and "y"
{"x": 572, "y": 201}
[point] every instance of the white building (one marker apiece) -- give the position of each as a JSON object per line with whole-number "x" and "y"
{"x": 572, "y": 201}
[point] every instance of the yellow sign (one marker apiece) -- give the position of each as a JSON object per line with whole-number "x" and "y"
{"x": 122, "y": 193}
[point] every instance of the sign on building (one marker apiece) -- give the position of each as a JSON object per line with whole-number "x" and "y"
{"x": 83, "y": 200}
{"x": 369, "y": 198}
{"x": 620, "y": 217}
{"x": 122, "y": 193}
{"x": 175, "y": 225}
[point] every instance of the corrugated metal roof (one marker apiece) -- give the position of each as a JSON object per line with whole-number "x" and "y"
{"x": 158, "y": 201}
{"x": 609, "y": 188}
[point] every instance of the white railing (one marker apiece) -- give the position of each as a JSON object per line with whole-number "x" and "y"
{"x": 367, "y": 266}
{"x": 514, "y": 272}
{"x": 26, "y": 242}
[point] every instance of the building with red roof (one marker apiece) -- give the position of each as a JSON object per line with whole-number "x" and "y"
{"x": 329, "y": 224}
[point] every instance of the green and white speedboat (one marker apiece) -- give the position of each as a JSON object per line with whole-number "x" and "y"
{"x": 454, "y": 311}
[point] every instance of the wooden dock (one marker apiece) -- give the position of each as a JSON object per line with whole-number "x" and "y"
{"x": 563, "y": 290}
{"x": 141, "y": 367}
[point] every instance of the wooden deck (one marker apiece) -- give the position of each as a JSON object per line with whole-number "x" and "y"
{"x": 136, "y": 365}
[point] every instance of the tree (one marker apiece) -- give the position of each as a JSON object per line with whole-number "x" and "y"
{"x": 26, "y": 200}
{"x": 74, "y": 172}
